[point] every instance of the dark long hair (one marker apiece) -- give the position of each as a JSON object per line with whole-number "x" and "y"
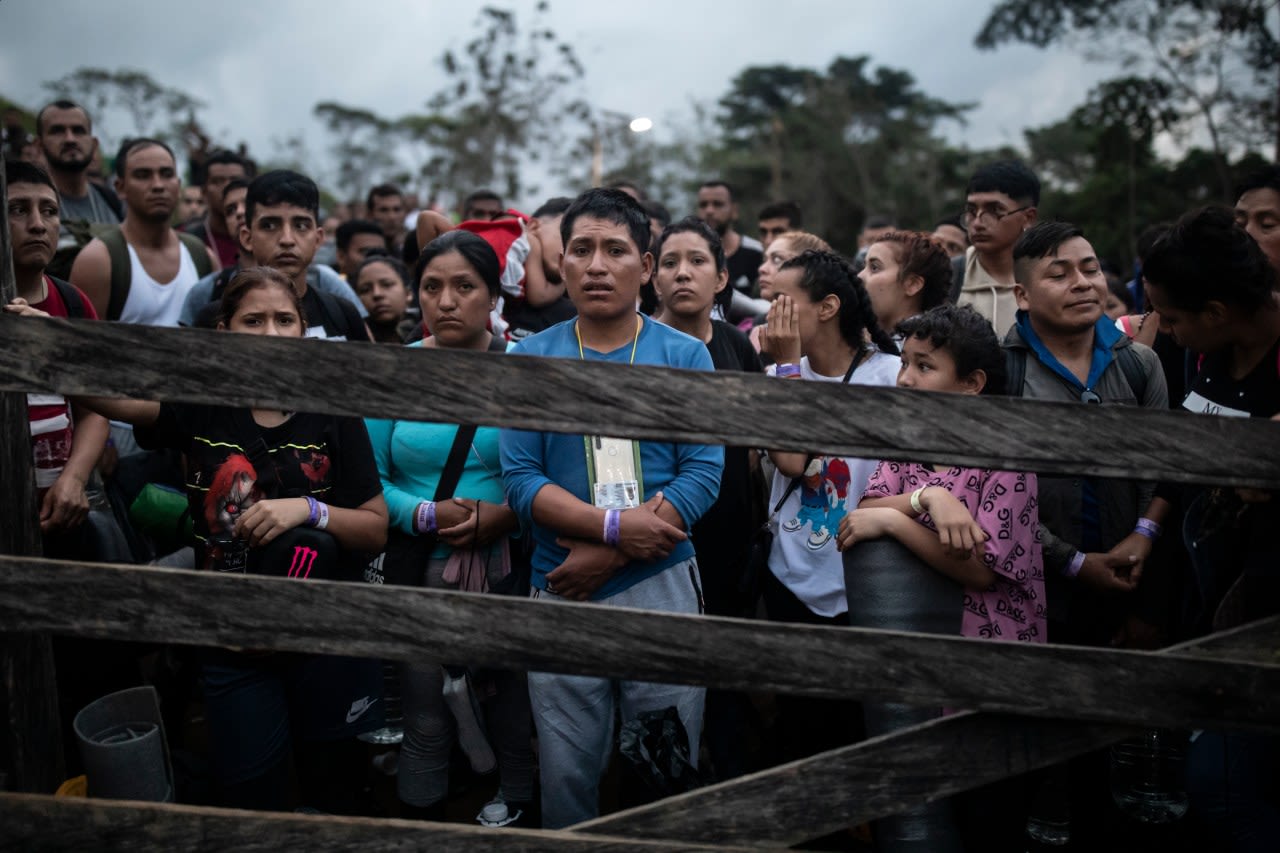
{"x": 824, "y": 274}
{"x": 475, "y": 250}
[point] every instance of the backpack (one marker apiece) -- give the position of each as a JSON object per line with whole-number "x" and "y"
{"x": 122, "y": 269}
{"x": 1015, "y": 359}
{"x": 82, "y": 232}
{"x": 71, "y": 297}
{"x": 335, "y": 319}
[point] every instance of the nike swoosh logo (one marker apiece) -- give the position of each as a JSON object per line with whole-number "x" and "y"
{"x": 358, "y": 708}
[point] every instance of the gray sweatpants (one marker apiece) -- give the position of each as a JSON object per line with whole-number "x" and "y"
{"x": 574, "y": 714}
{"x": 429, "y": 727}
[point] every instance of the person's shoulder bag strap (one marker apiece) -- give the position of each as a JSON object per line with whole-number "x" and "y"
{"x": 454, "y": 464}
{"x": 199, "y": 253}
{"x": 70, "y": 297}
{"x": 121, "y": 271}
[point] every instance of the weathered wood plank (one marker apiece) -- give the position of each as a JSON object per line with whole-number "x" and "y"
{"x": 35, "y": 823}
{"x": 644, "y": 402}
{"x": 31, "y": 745}
{"x": 810, "y": 798}
{"x": 355, "y": 619}
{"x": 886, "y": 775}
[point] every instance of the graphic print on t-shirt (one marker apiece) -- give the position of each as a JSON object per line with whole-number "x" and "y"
{"x": 313, "y": 464}
{"x": 824, "y": 497}
{"x": 233, "y": 489}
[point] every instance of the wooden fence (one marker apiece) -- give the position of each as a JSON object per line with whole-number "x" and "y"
{"x": 1082, "y": 698}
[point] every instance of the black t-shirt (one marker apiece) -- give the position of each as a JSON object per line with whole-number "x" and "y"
{"x": 324, "y": 456}
{"x": 743, "y": 266}
{"x": 1236, "y": 546}
{"x": 721, "y": 537}
{"x": 1256, "y": 395}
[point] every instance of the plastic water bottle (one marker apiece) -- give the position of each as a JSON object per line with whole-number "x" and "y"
{"x": 1049, "y": 820}
{"x": 461, "y": 702}
{"x": 1148, "y": 776}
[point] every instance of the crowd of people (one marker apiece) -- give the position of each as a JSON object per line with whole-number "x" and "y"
{"x": 1000, "y": 300}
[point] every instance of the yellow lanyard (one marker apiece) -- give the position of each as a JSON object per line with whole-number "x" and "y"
{"x": 586, "y": 440}
{"x": 582, "y": 356}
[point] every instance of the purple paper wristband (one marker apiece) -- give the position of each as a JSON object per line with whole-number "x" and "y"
{"x": 1148, "y": 528}
{"x": 787, "y": 371}
{"x": 425, "y": 518}
{"x": 1073, "y": 568}
{"x": 313, "y": 511}
{"x": 612, "y": 527}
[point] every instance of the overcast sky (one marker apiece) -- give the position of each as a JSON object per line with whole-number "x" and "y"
{"x": 261, "y": 65}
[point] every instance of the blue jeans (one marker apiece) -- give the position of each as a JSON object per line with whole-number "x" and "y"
{"x": 574, "y": 714}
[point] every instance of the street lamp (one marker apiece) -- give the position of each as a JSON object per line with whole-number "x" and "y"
{"x": 640, "y": 124}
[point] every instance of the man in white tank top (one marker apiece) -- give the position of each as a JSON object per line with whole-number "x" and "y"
{"x": 161, "y": 266}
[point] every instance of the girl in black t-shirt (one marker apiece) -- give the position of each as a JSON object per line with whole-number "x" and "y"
{"x": 1214, "y": 290}
{"x": 226, "y": 496}
{"x": 255, "y": 475}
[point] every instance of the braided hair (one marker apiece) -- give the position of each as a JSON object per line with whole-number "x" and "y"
{"x": 824, "y": 274}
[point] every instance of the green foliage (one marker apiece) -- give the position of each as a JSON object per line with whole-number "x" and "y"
{"x": 358, "y": 146}
{"x": 1101, "y": 172}
{"x": 1207, "y": 66}
{"x": 845, "y": 142}
{"x": 507, "y": 97}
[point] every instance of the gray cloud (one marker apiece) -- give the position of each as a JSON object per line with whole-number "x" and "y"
{"x": 261, "y": 66}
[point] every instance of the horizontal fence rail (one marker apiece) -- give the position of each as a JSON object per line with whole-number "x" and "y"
{"x": 891, "y": 773}
{"x": 37, "y": 823}
{"x": 782, "y": 805}
{"x": 203, "y": 608}
{"x": 559, "y": 395}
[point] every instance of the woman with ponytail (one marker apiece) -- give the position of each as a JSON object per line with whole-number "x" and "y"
{"x": 821, "y": 328}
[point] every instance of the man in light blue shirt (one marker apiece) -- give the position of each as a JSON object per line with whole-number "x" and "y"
{"x": 621, "y": 508}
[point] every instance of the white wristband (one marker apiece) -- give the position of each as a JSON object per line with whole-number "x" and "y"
{"x": 916, "y": 506}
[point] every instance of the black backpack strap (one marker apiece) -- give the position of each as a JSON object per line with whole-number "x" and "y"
{"x": 71, "y": 298}
{"x": 121, "y": 271}
{"x": 1015, "y": 366}
{"x": 340, "y": 312}
{"x": 1135, "y": 373}
{"x": 453, "y": 466}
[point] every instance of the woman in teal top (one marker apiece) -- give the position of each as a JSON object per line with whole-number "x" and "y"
{"x": 458, "y": 279}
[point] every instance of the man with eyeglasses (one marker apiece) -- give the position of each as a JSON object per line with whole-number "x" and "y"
{"x": 1000, "y": 204}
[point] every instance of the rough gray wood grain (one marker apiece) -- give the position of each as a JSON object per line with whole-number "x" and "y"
{"x": 562, "y": 395}
{"x": 200, "y": 608}
{"x": 33, "y": 823}
{"x": 31, "y": 745}
{"x": 807, "y": 799}
{"x": 888, "y": 774}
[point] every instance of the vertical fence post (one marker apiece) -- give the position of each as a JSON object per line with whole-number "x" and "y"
{"x": 31, "y": 757}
